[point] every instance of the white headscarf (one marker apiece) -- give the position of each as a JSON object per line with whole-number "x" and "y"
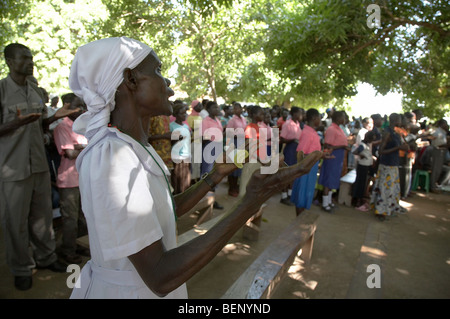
{"x": 96, "y": 73}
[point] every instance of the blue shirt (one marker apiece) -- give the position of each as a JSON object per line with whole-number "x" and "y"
{"x": 391, "y": 159}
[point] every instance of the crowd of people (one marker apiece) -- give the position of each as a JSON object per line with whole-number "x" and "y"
{"x": 385, "y": 151}
{"x": 40, "y": 147}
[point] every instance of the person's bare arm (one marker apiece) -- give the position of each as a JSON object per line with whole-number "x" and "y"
{"x": 163, "y": 271}
{"x": 73, "y": 153}
{"x": 335, "y": 147}
{"x": 59, "y": 114}
{"x": 19, "y": 121}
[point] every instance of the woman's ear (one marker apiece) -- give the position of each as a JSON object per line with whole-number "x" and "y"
{"x": 130, "y": 78}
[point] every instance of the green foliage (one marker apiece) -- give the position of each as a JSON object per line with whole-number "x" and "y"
{"x": 152, "y": 22}
{"x": 206, "y": 7}
{"x": 310, "y": 53}
{"x": 212, "y": 50}
{"x": 328, "y": 47}
{"x": 10, "y": 10}
{"x": 53, "y": 31}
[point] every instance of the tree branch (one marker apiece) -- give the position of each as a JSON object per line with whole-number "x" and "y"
{"x": 357, "y": 49}
{"x": 424, "y": 24}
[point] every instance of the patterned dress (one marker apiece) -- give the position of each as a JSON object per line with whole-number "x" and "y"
{"x": 385, "y": 199}
{"x": 160, "y": 125}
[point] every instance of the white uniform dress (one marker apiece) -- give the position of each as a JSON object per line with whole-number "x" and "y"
{"x": 127, "y": 205}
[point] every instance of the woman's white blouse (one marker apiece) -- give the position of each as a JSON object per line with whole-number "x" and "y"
{"x": 128, "y": 206}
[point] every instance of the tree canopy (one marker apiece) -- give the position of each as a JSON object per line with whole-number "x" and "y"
{"x": 308, "y": 53}
{"x": 326, "y": 48}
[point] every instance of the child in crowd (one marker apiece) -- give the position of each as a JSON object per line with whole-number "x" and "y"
{"x": 289, "y": 136}
{"x": 330, "y": 172}
{"x": 256, "y": 115}
{"x": 365, "y": 161}
{"x": 238, "y": 123}
{"x": 194, "y": 116}
{"x": 266, "y": 125}
{"x": 304, "y": 186}
{"x": 212, "y": 145}
{"x": 181, "y": 150}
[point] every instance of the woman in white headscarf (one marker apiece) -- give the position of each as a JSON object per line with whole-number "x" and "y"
{"x": 124, "y": 184}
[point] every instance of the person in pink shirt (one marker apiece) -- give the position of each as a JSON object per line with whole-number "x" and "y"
{"x": 69, "y": 145}
{"x": 266, "y": 125}
{"x": 211, "y": 126}
{"x": 304, "y": 186}
{"x": 289, "y": 136}
{"x": 330, "y": 171}
{"x": 284, "y": 114}
{"x": 237, "y": 120}
{"x": 212, "y": 145}
{"x": 193, "y": 117}
{"x": 237, "y": 123}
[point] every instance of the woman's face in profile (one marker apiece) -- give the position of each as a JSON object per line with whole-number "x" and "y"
{"x": 153, "y": 91}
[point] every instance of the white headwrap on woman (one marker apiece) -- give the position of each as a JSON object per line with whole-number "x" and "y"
{"x": 95, "y": 75}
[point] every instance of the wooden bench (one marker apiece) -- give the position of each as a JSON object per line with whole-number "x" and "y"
{"x": 252, "y": 227}
{"x": 83, "y": 241}
{"x": 260, "y": 280}
{"x": 345, "y": 188}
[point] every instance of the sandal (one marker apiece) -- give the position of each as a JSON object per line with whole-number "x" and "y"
{"x": 362, "y": 208}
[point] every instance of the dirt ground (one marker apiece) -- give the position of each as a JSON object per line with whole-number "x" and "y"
{"x": 413, "y": 252}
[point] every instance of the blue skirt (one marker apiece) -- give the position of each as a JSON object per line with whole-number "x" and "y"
{"x": 210, "y": 152}
{"x": 304, "y": 187}
{"x": 290, "y": 153}
{"x": 330, "y": 172}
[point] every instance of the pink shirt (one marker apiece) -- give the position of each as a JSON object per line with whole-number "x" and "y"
{"x": 252, "y": 132}
{"x": 309, "y": 140}
{"x": 268, "y": 130}
{"x": 335, "y": 136}
{"x": 291, "y": 130}
{"x": 208, "y": 123}
{"x": 65, "y": 139}
{"x": 237, "y": 122}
